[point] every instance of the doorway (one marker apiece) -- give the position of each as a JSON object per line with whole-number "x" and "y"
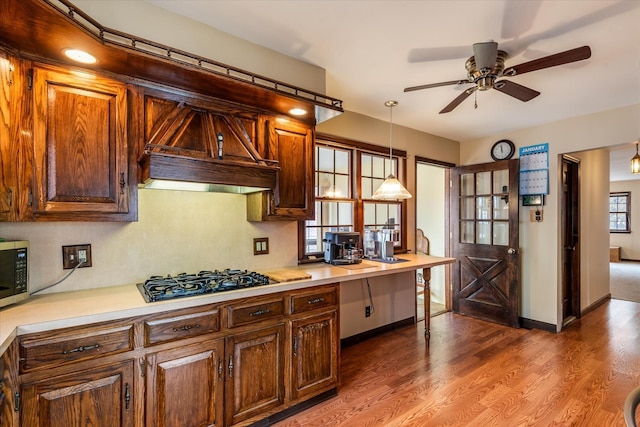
{"x": 570, "y": 230}
{"x": 432, "y": 216}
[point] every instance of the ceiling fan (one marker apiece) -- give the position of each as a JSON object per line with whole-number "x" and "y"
{"x": 486, "y": 66}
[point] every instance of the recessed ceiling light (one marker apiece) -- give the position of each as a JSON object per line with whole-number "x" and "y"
{"x": 80, "y": 56}
{"x": 297, "y": 112}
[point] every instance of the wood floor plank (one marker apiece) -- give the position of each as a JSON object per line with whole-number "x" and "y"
{"x": 476, "y": 373}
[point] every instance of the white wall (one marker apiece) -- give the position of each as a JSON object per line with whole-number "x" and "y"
{"x": 540, "y": 246}
{"x": 629, "y": 242}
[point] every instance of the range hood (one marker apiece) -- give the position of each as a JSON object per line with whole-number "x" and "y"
{"x": 194, "y": 148}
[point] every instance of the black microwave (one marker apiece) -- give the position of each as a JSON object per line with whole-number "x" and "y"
{"x": 14, "y": 271}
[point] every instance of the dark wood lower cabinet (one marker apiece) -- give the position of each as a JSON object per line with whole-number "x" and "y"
{"x": 96, "y": 397}
{"x": 255, "y": 370}
{"x": 315, "y": 354}
{"x": 232, "y": 363}
{"x": 184, "y": 386}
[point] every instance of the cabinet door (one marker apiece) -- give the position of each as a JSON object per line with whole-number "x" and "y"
{"x": 255, "y": 373}
{"x": 98, "y": 397}
{"x": 80, "y": 145}
{"x": 314, "y": 354}
{"x": 184, "y": 386}
{"x": 291, "y": 144}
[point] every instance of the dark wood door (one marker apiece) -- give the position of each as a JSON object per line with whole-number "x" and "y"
{"x": 185, "y": 386}
{"x": 255, "y": 373}
{"x": 98, "y": 397}
{"x": 484, "y": 221}
{"x": 570, "y": 226}
{"x": 315, "y": 354}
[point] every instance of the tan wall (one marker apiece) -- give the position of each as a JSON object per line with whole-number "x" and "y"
{"x": 629, "y": 242}
{"x": 540, "y": 247}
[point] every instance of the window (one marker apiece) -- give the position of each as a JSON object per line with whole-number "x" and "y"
{"x": 619, "y": 209}
{"x": 347, "y": 173}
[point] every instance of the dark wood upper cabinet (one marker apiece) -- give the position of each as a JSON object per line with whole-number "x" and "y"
{"x": 80, "y": 143}
{"x": 291, "y": 143}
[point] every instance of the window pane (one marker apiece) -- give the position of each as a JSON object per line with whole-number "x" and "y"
{"x": 381, "y": 214}
{"x": 467, "y": 208}
{"x": 342, "y": 162}
{"x": 376, "y": 183}
{"x": 369, "y": 214}
{"x": 484, "y": 207}
{"x": 344, "y": 213}
{"x": 501, "y": 233}
{"x": 466, "y": 184}
{"x": 467, "y": 232}
{"x": 483, "y": 183}
{"x": 366, "y": 165}
{"x": 484, "y": 233}
{"x": 341, "y": 189}
{"x": 378, "y": 168}
{"x": 325, "y": 159}
{"x": 367, "y": 190}
{"x": 325, "y": 184}
{"x": 500, "y": 208}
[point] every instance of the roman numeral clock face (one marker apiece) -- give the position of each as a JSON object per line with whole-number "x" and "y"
{"x": 503, "y": 150}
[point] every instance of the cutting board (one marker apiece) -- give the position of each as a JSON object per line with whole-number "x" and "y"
{"x": 288, "y": 275}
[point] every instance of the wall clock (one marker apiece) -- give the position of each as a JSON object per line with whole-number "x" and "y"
{"x": 503, "y": 150}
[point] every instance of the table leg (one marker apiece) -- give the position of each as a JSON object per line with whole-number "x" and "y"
{"x": 427, "y": 304}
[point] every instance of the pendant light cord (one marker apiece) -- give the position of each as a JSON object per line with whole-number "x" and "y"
{"x": 391, "y": 104}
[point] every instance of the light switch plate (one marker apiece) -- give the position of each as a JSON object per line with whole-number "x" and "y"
{"x": 261, "y": 246}
{"x": 71, "y": 256}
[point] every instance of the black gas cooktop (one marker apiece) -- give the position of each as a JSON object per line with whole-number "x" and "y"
{"x": 159, "y": 288}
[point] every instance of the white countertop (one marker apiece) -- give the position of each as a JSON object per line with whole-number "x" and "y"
{"x": 65, "y": 309}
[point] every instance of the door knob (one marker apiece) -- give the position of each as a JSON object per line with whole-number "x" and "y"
{"x": 512, "y": 251}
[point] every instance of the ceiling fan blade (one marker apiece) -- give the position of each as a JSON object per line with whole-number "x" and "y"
{"x": 516, "y": 90}
{"x": 485, "y": 54}
{"x": 566, "y": 57}
{"x": 452, "y": 82}
{"x": 453, "y": 104}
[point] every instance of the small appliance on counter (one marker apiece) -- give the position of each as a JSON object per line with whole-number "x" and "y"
{"x": 14, "y": 271}
{"x": 379, "y": 245}
{"x": 342, "y": 248}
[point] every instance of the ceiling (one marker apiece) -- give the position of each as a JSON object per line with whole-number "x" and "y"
{"x": 372, "y": 50}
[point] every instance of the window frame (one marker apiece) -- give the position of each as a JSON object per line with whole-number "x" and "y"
{"x": 627, "y": 195}
{"x": 357, "y": 148}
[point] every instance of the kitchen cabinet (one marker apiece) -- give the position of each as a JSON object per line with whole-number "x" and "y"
{"x": 95, "y": 397}
{"x": 255, "y": 382}
{"x": 185, "y": 386}
{"x": 291, "y": 144}
{"x": 80, "y": 147}
{"x": 315, "y": 341}
{"x": 15, "y": 141}
{"x": 228, "y": 363}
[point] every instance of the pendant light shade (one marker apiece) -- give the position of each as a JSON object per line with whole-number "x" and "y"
{"x": 635, "y": 162}
{"x": 391, "y": 188}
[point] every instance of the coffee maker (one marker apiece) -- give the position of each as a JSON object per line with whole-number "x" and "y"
{"x": 341, "y": 247}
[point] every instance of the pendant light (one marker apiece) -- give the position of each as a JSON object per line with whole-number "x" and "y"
{"x": 635, "y": 162}
{"x": 391, "y": 188}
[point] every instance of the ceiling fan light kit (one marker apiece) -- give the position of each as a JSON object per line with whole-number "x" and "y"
{"x": 487, "y": 65}
{"x": 391, "y": 188}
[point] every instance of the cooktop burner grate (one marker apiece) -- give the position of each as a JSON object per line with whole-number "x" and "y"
{"x": 159, "y": 288}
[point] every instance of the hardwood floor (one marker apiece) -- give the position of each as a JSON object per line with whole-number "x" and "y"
{"x": 481, "y": 374}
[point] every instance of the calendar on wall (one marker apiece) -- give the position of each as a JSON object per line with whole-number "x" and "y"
{"x": 534, "y": 169}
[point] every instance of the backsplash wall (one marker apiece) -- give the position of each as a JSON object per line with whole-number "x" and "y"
{"x": 177, "y": 231}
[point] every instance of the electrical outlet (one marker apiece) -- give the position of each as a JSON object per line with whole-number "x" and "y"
{"x": 74, "y": 254}
{"x": 367, "y": 311}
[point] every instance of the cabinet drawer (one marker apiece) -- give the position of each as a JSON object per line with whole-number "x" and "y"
{"x": 318, "y": 298}
{"x": 59, "y": 349}
{"x": 181, "y": 326}
{"x": 244, "y": 313}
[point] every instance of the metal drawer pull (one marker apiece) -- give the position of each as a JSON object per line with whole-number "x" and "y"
{"x": 315, "y": 301}
{"x": 260, "y": 312}
{"x": 186, "y": 327}
{"x": 81, "y": 349}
